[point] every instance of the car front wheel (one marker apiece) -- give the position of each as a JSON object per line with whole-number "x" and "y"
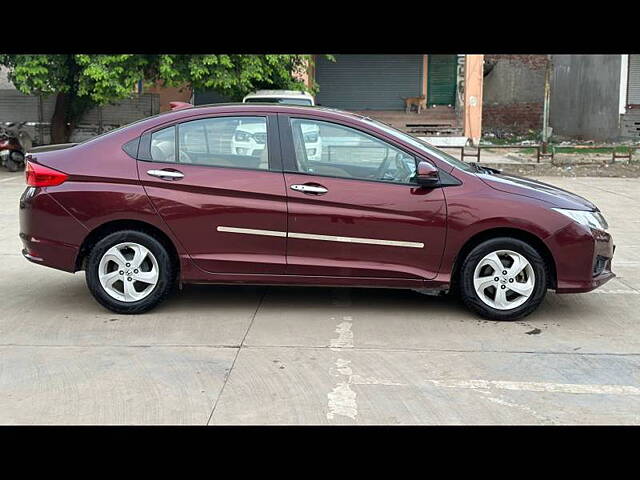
{"x": 503, "y": 279}
{"x": 129, "y": 272}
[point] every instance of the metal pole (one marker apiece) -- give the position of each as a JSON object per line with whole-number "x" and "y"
{"x": 545, "y": 111}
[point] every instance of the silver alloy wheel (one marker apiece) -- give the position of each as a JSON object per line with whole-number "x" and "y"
{"x": 128, "y": 272}
{"x": 504, "y": 279}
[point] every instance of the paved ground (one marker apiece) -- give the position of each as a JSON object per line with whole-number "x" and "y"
{"x": 245, "y": 355}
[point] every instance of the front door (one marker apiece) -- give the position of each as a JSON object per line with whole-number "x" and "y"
{"x": 354, "y": 210}
{"x": 217, "y": 184}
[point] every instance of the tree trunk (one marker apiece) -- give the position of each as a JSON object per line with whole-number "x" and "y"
{"x": 61, "y": 126}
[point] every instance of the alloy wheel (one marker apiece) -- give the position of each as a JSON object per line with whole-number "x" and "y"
{"x": 504, "y": 279}
{"x": 128, "y": 272}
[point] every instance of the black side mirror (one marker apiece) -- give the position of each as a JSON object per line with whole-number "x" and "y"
{"x": 427, "y": 175}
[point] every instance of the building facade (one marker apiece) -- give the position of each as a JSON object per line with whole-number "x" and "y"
{"x": 513, "y": 97}
{"x": 376, "y": 86}
{"x": 596, "y": 96}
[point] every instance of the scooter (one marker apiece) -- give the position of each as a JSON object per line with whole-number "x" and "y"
{"x": 15, "y": 142}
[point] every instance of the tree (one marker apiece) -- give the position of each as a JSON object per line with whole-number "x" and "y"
{"x": 81, "y": 82}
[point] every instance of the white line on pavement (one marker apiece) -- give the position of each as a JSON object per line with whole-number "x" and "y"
{"x": 539, "y": 387}
{"x": 342, "y": 399}
{"x": 345, "y": 335}
{"x": 9, "y": 179}
{"x": 617, "y": 292}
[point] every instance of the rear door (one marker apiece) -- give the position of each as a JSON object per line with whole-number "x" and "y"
{"x": 354, "y": 209}
{"x": 218, "y": 185}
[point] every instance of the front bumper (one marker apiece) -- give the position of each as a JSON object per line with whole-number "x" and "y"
{"x": 582, "y": 257}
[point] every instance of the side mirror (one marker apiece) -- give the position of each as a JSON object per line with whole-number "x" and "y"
{"x": 427, "y": 175}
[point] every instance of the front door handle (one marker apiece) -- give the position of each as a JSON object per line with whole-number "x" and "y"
{"x": 166, "y": 174}
{"x": 311, "y": 189}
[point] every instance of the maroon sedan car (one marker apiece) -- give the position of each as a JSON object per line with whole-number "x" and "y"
{"x": 289, "y": 195}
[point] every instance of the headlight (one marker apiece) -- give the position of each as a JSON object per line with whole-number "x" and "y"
{"x": 586, "y": 218}
{"x": 242, "y": 136}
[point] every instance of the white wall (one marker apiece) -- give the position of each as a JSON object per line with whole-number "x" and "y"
{"x": 4, "y": 82}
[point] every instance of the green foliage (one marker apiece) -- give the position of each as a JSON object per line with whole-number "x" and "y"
{"x": 89, "y": 80}
{"x": 233, "y": 75}
{"x": 103, "y": 79}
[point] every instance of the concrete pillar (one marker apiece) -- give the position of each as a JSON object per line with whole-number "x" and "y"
{"x": 425, "y": 74}
{"x": 473, "y": 79}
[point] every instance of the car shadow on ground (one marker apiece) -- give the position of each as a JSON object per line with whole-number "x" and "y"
{"x": 381, "y": 302}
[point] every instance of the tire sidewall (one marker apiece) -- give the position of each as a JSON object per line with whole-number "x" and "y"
{"x": 12, "y": 165}
{"x": 162, "y": 287}
{"x": 471, "y": 298}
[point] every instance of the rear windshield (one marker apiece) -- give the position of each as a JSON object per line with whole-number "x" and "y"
{"x": 287, "y": 101}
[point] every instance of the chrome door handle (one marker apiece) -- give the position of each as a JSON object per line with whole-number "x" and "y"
{"x": 315, "y": 189}
{"x": 165, "y": 174}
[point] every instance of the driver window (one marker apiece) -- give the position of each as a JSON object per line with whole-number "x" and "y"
{"x": 324, "y": 148}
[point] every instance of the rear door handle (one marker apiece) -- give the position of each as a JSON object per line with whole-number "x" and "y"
{"x": 312, "y": 189}
{"x": 166, "y": 174}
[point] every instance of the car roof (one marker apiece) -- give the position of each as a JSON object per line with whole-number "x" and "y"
{"x": 273, "y": 107}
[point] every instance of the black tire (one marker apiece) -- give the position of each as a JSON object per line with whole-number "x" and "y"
{"x": 11, "y": 165}
{"x": 163, "y": 287}
{"x": 472, "y": 300}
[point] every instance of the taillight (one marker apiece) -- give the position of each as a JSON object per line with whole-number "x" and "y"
{"x": 41, "y": 176}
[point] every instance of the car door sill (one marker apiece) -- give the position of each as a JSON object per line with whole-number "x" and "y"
{"x": 270, "y": 279}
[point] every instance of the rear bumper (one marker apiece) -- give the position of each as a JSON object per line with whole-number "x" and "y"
{"x": 583, "y": 258}
{"x": 50, "y": 235}
{"x": 49, "y": 254}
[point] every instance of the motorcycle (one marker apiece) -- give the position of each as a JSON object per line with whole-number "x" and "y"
{"x": 15, "y": 142}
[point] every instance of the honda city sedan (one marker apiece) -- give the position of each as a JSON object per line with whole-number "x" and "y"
{"x": 172, "y": 200}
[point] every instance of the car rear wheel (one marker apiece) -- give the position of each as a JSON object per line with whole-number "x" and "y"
{"x": 503, "y": 279}
{"x": 129, "y": 272}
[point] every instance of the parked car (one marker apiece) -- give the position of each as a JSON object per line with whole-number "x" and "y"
{"x": 286, "y": 97}
{"x": 162, "y": 201}
{"x": 248, "y": 138}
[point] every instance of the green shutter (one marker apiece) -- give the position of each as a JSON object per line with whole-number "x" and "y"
{"x": 442, "y": 80}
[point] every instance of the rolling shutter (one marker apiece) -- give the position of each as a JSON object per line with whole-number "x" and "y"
{"x": 368, "y": 82}
{"x": 633, "y": 95}
{"x": 442, "y": 80}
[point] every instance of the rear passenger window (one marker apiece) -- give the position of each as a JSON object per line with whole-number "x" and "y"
{"x": 163, "y": 145}
{"x": 237, "y": 142}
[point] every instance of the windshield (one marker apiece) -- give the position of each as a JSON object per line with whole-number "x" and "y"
{"x": 421, "y": 145}
{"x": 288, "y": 101}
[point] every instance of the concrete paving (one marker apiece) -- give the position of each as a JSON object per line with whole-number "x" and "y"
{"x": 273, "y": 355}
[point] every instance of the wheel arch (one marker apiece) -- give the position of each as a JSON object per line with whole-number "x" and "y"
{"x": 116, "y": 225}
{"x": 528, "y": 237}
